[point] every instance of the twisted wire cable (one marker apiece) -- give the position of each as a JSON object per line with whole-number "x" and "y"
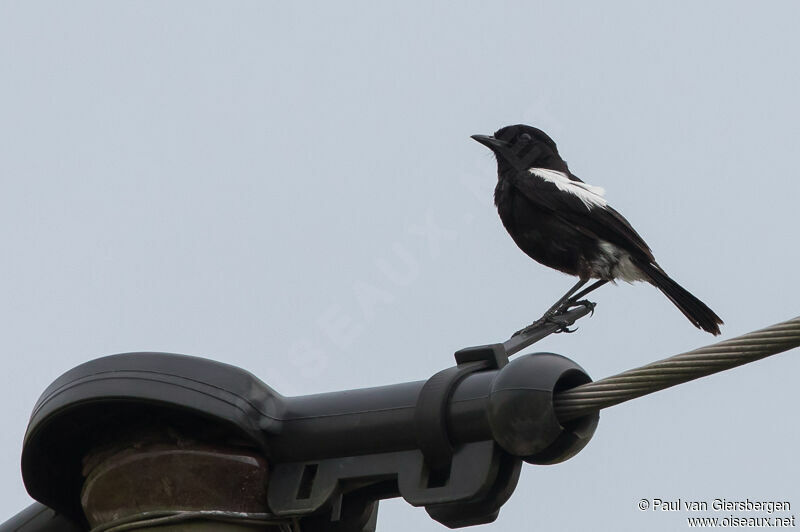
{"x": 165, "y": 518}
{"x": 594, "y": 396}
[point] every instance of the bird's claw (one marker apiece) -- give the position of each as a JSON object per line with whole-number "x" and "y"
{"x": 555, "y": 317}
{"x": 551, "y": 318}
{"x": 563, "y": 325}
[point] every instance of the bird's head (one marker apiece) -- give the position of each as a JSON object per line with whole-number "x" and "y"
{"x": 522, "y": 147}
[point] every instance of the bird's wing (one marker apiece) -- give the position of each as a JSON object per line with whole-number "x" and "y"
{"x": 582, "y": 206}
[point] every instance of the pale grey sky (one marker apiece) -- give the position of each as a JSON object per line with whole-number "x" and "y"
{"x": 228, "y": 179}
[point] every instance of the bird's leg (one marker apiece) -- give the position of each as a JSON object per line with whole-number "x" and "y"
{"x": 569, "y": 303}
{"x": 576, "y": 298}
{"x": 547, "y": 318}
{"x": 552, "y": 311}
{"x": 565, "y": 298}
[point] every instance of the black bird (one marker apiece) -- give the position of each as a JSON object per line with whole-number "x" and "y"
{"x": 566, "y": 224}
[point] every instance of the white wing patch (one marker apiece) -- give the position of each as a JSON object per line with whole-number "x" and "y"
{"x": 591, "y": 196}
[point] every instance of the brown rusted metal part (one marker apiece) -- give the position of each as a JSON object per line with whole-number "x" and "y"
{"x": 143, "y": 478}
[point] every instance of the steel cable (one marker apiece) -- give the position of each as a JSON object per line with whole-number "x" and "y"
{"x": 594, "y": 396}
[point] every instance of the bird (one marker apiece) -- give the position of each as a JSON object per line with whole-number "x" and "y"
{"x": 566, "y": 224}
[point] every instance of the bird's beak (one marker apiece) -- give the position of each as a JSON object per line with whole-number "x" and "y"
{"x": 491, "y": 142}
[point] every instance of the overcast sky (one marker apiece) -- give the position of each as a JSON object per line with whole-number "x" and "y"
{"x": 226, "y": 179}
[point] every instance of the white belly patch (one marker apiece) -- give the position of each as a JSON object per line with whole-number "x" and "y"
{"x": 615, "y": 263}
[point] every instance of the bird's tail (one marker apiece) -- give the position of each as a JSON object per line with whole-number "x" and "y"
{"x": 698, "y": 312}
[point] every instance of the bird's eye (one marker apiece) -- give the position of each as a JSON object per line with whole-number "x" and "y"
{"x": 524, "y": 138}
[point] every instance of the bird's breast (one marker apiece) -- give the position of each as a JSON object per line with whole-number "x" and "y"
{"x": 542, "y": 235}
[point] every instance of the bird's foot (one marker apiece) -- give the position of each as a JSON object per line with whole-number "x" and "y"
{"x": 555, "y": 316}
{"x": 564, "y": 324}
{"x": 548, "y": 318}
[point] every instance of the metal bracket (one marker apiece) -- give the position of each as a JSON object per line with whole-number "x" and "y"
{"x": 482, "y": 478}
{"x": 431, "y": 411}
